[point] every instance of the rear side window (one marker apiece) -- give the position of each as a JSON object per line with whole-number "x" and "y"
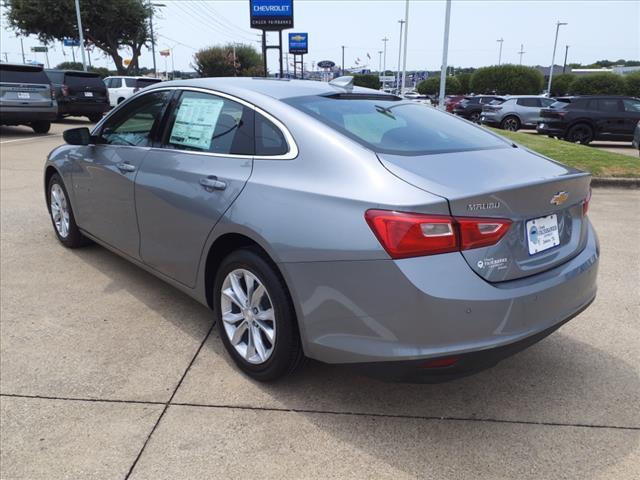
{"x": 130, "y": 82}
{"x": 18, "y": 74}
{"x": 631, "y": 105}
{"x": 546, "y": 102}
{"x": 528, "y": 102}
{"x": 203, "y": 122}
{"x": 134, "y": 126}
{"x": 396, "y": 126}
{"x": 75, "y": 80}
{"x": 269, "y": 138}
{"x": 608, "y": 105}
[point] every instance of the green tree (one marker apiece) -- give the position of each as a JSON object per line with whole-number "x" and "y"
{"x": 599, "y": 84}
{"x": 431, "y": 86}
{"x": 368, "y": 81}
{"x": 464, "y": 79}
{"x": 633, "y": 84}
{"x": 218, "y": 61}
{"x": 110, "y": 26}
{"x": 507, "y": 80}
{"x": 561, "y": 84}
{"x": 103, "y": 72}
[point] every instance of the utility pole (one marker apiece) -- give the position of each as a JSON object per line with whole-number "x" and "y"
{"x": 404, "y": 58}
{"x": 343, "y": 47}
{"x": 22, "y": 50}
{"x": 553, "y": 58}
{"x": 521, "y": 52}
{"x": 500, "y": 41}
{"x": 401, "y": 22}
{"x": 384, "y": 61}
{"x": 445, "y": 51}
{"x": 80, "y": 35}
{"x": 153, "y": 38}
{"x": 380, "y": 61}
{"x": 566, "y": 52}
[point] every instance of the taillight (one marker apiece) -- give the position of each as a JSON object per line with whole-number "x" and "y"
{"x": 585, "y": 203}
{"x": 53, "y": 92}
{"x": 406, "y": 235}
{"x": 65, "y": 90}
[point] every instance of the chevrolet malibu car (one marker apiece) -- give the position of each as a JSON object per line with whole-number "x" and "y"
{"x": 333, "y": 222}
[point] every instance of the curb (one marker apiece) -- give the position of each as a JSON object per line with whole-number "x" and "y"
{"x": 598, "y": 182}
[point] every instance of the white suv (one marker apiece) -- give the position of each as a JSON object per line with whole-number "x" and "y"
{"x": 121, "y": 88}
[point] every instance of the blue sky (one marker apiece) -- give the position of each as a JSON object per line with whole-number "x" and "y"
{"x": 596, "y": 30}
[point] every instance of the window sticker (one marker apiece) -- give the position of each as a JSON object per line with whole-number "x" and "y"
{"x": 196, "y": 122}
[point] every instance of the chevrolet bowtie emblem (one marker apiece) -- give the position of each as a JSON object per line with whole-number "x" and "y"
{"x": 559, "y": 198}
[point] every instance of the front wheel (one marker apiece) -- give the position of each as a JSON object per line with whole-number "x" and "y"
{"x": 475, "y": 117}
{"x": 95, "y": 117}
{"x": 256, "y": 320}
{"x": 41, "y": 127}
{"x": 64, "y": 223}
{"x": 511, "y": 124}
{"x": 580, "y": 133}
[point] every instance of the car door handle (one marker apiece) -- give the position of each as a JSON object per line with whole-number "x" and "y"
{"x": 126, "y": 167}
{"x": 212, "y": 183}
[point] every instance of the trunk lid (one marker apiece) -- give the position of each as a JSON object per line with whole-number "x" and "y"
{"x": 88, "y": 88}
{"x": 511, "y": 183}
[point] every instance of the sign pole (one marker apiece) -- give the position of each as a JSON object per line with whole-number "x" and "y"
{"x": 81, "y": 35}
{"x": 280, "y": 52}
{"x": 264, "y": 51}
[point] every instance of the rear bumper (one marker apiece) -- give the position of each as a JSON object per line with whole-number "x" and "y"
{"x": 429, "y": 307}
{"x": 82, "y": 108}
{"x": 550, "y": 128}
{"x": 21, "y": 115}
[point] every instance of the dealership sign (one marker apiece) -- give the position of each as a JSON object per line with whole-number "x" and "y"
{"x": 326, "y": 64}
{"x": 298, "y": 43}
{"x": 271, "y": 14}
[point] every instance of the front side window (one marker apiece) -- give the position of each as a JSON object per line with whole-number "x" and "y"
{"x": 396, "y": 126}
{"x": 202, "y": 122}
{"x": 528, "y": 102}
{"x": 135, "y": 125}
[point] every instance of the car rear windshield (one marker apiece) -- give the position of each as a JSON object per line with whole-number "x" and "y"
{"x": 394, "y": 126}
{"x": 145, "y": 82}
{"x": 19, "y": 74}
{"x": 83, "y": 80}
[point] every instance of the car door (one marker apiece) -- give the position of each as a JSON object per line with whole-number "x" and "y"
{"x": 104, "y": 178}
{"x": 186, "y": 184}
{"x": 611, "y": 117}
{"x": 542, "y": 103}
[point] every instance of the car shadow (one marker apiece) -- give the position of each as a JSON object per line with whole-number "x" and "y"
{"x": 17, "y": 131}
{"x": 558, "y": 383}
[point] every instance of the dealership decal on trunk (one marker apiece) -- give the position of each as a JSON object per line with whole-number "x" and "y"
{"x": 483, "y": 206}
{"x": 495, "y": 263}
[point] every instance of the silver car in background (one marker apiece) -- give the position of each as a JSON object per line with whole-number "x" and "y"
{"x": 515, "y": 112}
{"x": 337, "y": 223}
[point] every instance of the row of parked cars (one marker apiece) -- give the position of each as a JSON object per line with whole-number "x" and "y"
{"x": 578, "y": 119}
{"x": 31, "y": 95}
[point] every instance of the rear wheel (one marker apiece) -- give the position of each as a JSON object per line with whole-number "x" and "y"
{"x": 256, "y": 320}
{"x": 510, "y": 123}
{"x": 475, "y": 117}
{"x": 580, "y": 133}
{"x": 64, "y": 223}
{"x": 41, "y": 127}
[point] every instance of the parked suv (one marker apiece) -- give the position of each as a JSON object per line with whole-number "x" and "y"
{"x": 121, "y": 88}
{"x": 587, "y": 118}
{"x": 26, "y": 97}
{"x": 79, "y": 93}
{"x": 515, "y": 112}
{"x": 471, "y": 107}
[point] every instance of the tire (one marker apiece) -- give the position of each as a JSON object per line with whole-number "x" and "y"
{"x": 282, "y": 354}
{"x": 510, "y": 123}
{"x": 580, "y": 133}
{"x": 474, "y": 117}
{"x": 41, "y": 127}
{"x": 69, "y": 235}
{"x": 95, "y": 117}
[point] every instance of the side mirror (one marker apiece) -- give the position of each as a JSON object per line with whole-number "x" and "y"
{"x": 77, "y": 136}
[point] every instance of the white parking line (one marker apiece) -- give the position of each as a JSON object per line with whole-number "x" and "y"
{"x": 30, "y": 138}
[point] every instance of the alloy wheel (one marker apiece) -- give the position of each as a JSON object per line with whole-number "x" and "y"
{"x": 60, "y": 210}
{"x": 511, "y": 124}
{"x": 248, "y": 316}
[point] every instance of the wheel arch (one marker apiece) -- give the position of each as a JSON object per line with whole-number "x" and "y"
{"x": 49, "y": 172}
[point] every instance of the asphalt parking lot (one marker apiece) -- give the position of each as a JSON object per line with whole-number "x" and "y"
{"x": 107, "y": 372}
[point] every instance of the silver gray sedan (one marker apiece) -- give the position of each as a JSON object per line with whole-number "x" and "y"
{"x": 326, "y": 221}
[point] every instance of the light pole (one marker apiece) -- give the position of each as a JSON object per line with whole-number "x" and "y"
{"x": 521, "y": 52}
{"x": 500, "y": 41}
{"x": 384, "y": 62}
{"x": 81, "y": 35}
{"x": 445, "y": 51}
{"x": 153, "y": 39}
{"x": 401, "y": 22}
{"x": 343, "y": 47}
{"x": 566, "y": 52}
{"x": 553, "y": 58}
{"x": 380, "y": 61}
{"x": 22, "y": 50}
{"x": 404, "y": 58}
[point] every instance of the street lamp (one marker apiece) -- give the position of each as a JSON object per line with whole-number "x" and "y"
{"x": 80, "y": 34}
{"x": 500, "y": 41}
{"x": 343, "y": 47}
{"x": 380, "y": 61}
{"x": 384, "y": 63}
{"x": 553, "y": 58}
{"x": 445, "y": 51}
{"x": 401, "y": 22}
{"x": 404, "y": 59}
{"x": 153, "y": 40}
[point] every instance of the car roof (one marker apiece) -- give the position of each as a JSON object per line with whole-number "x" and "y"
{"x": 271, "y": 87}
{"x": 139, "y": 77}
{"x": 75, "y": 72}
{"x": 21, "y": 66}
{"x": 527, "y": 96}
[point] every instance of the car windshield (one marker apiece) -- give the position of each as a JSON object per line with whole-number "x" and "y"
{"x": 83, "y": 80}
{"x": 387, "y": 125}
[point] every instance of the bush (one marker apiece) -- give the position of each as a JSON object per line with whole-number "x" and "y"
{"x": 368, "y": 81}
{"x": 633, "y": 84}
{"x": 599, "y": 84}
{"x": 218, "y": 61}
{"x": 507, "y": 80}
{"x": 561, "y": 85}
{"x": 465, "y": 80}
{"x": 431, "y": 86}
